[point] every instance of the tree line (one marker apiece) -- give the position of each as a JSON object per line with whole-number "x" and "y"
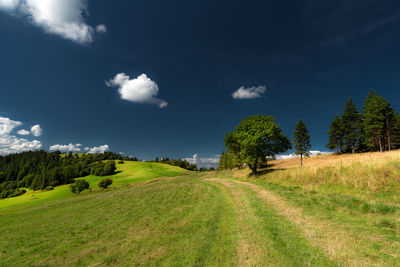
{"x": 374, "y": 128}
{"x": 184, "y": 164}
{"x": 39, "y": 170}
{"x": 258, "y": 139}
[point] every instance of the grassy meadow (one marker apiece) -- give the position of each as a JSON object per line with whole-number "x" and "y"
{"x": 334, "y": 211}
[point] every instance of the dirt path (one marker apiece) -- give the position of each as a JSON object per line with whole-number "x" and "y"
{"x": 249, "y": 248}
{"x": 329, "y": 237}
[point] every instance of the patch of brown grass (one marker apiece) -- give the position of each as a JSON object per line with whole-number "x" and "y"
{"x": 373, "y": 171}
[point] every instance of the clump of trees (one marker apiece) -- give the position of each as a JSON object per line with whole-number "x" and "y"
{"x": 79, "y": 186}
{"x": 105, "y": 183}
{"x": 254, "y": 140}
{"x": 39, "y": 169}
{"x": 375, "y": 128}
{"x": 184, "y": 164}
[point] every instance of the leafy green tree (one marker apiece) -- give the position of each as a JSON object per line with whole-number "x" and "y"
{"x": 106, "y": 182}
{"x": 351, "y": 121}
{"x": 336, "y": 135}
{"x": 259, "y": 137}
{"x": 302, "y": 140}
{"x": 79, "y": 186}
{"x": 109, "y": 168}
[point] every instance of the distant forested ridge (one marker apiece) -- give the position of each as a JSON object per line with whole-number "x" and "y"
{"x": 39, "y": 170}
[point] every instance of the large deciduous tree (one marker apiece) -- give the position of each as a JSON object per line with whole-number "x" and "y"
{"x": 302, "y": 140}
{"x": 258, "y": 138}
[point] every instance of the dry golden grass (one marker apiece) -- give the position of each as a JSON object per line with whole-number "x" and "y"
{"x": 375, "y": 171}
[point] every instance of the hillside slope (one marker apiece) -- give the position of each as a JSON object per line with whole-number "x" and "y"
{"x": 130, "y": 172}
{"x": 281, "y": 218}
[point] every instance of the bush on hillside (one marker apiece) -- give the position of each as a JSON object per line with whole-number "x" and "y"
{"x": 106, "y": 182}
{"x": 79, "y": 186}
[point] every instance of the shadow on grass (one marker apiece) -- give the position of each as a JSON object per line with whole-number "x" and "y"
{"x": 264, "y": 172}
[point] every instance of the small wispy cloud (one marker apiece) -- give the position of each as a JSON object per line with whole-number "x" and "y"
{"x": 23, "y": 132}
{"x": 249, "y": 93}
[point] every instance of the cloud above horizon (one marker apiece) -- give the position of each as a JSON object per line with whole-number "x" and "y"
{"x": 78, "y": 147}
{"x": 36, "y": 130}
{"x": 97, "y": 149}
{"x": 61, "y": 17}
{"x": 138, "y": 90}
{"x": 207, "y": 162}
{"x": 312, "y": 153}
{"x": 249, "y": 93}
{"x": 9, "y": 143}
{"x": 66, "y": 148}
{"x": 23, "y": 132}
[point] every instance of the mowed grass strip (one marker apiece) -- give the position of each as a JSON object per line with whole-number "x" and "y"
{"x": 181, "y": 221}
{"x": 266, "y": 238}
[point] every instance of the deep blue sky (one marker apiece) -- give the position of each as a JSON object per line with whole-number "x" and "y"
{"x": 310, "y": 55}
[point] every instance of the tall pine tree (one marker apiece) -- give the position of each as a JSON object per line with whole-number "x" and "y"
{"x": 351, "y": 121}
{"x": 374, "y": 119}
{"x": 302, "y": 141}
{"x": 336, "y": 135}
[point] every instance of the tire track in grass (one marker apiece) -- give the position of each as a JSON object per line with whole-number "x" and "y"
{"x": 335, "y": 241}
{"x": 264, "y": 238}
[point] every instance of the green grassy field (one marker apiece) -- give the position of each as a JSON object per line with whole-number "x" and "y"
{"x": 131, "y": 172}
{"x": 206, "y": 219}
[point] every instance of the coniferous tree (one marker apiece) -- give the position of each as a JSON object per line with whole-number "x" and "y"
{"x": 336, "y": 135}
{"x": 351, "y": 121}
{"x": 302, "y": 140}
{"x": 374, "y": 119}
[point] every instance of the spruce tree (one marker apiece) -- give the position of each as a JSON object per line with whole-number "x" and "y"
{"x": 336, "y": 135}
{"x": 302, "y": 140}
{"x": 351, "y": 121}
{"x": 374, "y": 119}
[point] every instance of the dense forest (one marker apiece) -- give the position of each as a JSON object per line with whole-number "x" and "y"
{"x": 40, "y": 170}
{"x": 376, "y": 127}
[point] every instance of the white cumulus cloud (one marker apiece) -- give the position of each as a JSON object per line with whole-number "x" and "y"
{"x": 312, "y": 153}
{"x": 23, "y": 132}
{"x": 36, "y": 130}
{"x": 66, "y": 148}
{"x": 97, "y": 149}
{"x": 8, "y": 4}
{"x": 9, "y": 143}
{"x": 62, "y": 17}
{"x": 249, "y": 93}
{"x": 138, "y": 90}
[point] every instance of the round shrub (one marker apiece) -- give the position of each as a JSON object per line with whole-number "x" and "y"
{"x": 79, "y": 186}
{"x": 106, "y": 182}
